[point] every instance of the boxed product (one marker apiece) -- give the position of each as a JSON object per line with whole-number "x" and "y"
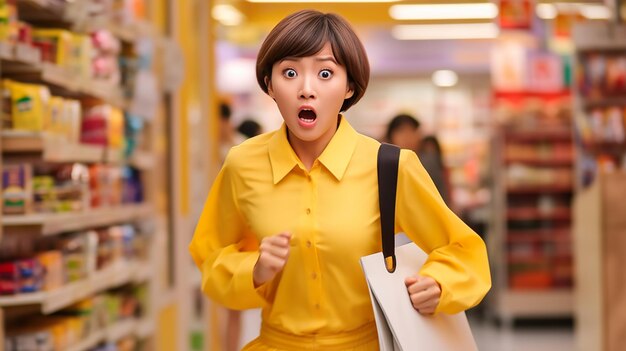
{"x": 56, "y": 45}
{"x": 17, "y": 190}
{"x": 21, "y": 276}
{"x": 52, "y": 261}
{"x": 29, "y": 105}
{"x": 8, "y": 19}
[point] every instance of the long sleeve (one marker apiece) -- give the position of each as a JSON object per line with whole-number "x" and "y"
{"x": 222, "y": 250}
{"x": 457, "y": 256}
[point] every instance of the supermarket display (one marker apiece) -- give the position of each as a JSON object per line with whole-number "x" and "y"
{"x": 601, "y": 180}
{"x": 601, "y": 122}
{"x": 538, "y": 160}
{"x": 77, "y": 229}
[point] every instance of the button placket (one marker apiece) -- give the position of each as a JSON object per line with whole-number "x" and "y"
{"x": 312, "y": 267}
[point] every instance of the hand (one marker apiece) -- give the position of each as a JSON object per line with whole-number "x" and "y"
{"x": 424, "y": 292}
{"x": 274, "y": 253}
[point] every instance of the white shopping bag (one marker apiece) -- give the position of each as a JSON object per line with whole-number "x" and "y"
{"x": 400, "y": 327}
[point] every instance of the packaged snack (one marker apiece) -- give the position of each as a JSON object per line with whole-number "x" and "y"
{"x": 29, "y": 105}
{"x": 61, "y": 44}
{"x": 52, "y": 261}
{"x": 54, "y": 124}
{"x": 17, "y": 188}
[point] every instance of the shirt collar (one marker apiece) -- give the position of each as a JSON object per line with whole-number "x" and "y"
{"x": 335, "y": 156}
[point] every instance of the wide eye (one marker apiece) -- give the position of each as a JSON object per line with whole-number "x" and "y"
{"x": 290, "y": 73}
{"x": 326, "y": 74}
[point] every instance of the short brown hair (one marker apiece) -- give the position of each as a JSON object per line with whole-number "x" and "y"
{"x": 305, "y": 33}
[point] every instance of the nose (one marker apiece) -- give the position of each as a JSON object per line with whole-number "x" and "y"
{"x": 307, "y": 90}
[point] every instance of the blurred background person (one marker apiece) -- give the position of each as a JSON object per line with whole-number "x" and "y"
{"x": 249, "y": 128}
{"x": 226, "y": 132}
{"x": 432, "y": 159}
{"x": 404, "y": 131}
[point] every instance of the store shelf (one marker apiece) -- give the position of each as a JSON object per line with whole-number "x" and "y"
{"x": 541, "y": 162}
{"x": 52, "y": 149}
{"x": 540, "y": 189}
{"x": 115, "y": 275}
{"x": 140, "y": 328}
{"x": 538, "y": 235}
{"x": 108, "y": 92}
{"x": 55, "y": 223}
{"x": 23, "y": 63}
{"x": 145, "y": 328}
{"x": 536, "y": 303}
{"x": 51, "y": 12}
{"x": 617, "y": 101}
{"x": 533, "y": 214}
{"x": 522, "y": 95}
{"x": 537, "y": 136}
{"x": 55, "y": 149}
{"x": 6, "y": 51}
{"x": 605, "y": 147}
{"x": 142, "y": 160}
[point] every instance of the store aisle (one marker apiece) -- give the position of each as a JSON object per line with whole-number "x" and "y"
{"x": 492, "y": 338}
{"x": 488, "y": 336}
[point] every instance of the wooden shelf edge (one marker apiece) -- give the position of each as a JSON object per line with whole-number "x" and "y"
{"x": 541, "y": 162}
{"x": 142, "y": 160}
{"x": 117, "y": 274}
{"x": 60, "y": 77}
{"x": 71, "y": 221}
{"x": 57, "y": 149}
{"x": 539, "y": 189}
{"x": 115, "y": 332}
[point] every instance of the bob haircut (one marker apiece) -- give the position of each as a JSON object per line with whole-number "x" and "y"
{"x": 304, "y": 33}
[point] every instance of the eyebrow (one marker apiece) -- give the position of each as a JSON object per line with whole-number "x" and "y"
{"x": 319, "y": 59}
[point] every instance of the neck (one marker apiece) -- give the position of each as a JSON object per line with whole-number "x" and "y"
{"x": 309, "y": 151}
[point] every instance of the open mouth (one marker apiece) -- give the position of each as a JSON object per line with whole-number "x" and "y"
{"x": 307, "y": 116}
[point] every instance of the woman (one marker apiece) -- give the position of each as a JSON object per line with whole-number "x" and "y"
{"x": 292, "y": 211}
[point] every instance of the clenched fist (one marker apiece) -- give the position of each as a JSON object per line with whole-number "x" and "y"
{"x": 274, "y": 251}
{"x": 424, "y": 292}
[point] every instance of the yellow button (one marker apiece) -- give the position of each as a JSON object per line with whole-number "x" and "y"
{"x": 308, "y": 211}
{"x": 314, "y": 275}
{"x": 317, "y": 305}
{"x": 308, "y": 243}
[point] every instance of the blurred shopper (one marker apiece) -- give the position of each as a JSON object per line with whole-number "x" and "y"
{"x": 404, "y": 131}
{"x": 249, "y": 128}
{"x": 292, "y": 212}
{"x": 227, "y": 132}
{"x": 432, "y": 159}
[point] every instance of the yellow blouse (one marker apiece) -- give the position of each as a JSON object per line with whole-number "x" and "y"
{"x": 332, "y": 211}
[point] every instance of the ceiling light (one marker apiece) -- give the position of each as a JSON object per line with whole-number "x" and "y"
{"x": 444, "y": 11}
{"x": 328, "y": 1}
{"x": 227, "y": 15}
{"x": 546, "y": 11}
{"x": 445, "y": 78}
{"x": 445, "y": 31}
{"x": 595, "y": 12}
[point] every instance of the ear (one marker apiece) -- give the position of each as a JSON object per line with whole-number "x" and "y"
{"x": 270, "y": 90}
{"x": 349, "y": 91}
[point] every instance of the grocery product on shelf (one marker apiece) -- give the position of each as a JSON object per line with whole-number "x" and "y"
{"x": 538, "y": 160}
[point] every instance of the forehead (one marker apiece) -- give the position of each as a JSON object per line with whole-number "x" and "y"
{"x": 324, "y": 54}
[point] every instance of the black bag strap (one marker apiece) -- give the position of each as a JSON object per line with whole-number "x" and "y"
{"x": 388, "y": 160}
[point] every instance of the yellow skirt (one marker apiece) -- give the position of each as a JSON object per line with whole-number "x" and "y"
{"x": 271, "y": 339}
